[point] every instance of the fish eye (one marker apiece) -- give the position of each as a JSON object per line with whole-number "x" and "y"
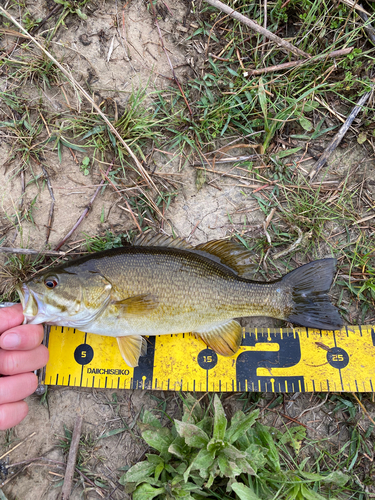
{"x": 51, "y": 282}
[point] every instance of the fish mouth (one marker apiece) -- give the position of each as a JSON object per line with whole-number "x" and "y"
{"x": 31, "y": 305}
{"x": 37, "y": 310}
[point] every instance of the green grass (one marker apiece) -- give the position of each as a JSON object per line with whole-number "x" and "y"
{"x": 15, "y": 270}
{"x": 359, "y": 273}
{"x": 136, "y": 124}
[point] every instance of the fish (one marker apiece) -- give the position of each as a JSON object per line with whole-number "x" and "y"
{"x": 161, "y": 286}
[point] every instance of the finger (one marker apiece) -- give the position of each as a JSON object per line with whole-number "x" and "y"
{"x": 13, "y": 362}
{"x": 11, "y": 414}
{"x": 17, "y": 387}
{"x": 22, "y": 338}
{"x": 10, "y": 317}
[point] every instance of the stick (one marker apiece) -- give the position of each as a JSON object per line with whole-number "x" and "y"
{"x": 293, "y": 64}
{"x": 290, "y": 418}
{"x": 84, "y": 213}
{"x": 55, "y": 10}
{"x": 28, "y": 251}
{"x": 72, "y": 458}
{"x": 23, "y": 187}
{"x": 227, "y": 160}
{"x": 127, "y": 204}
{"x": 339, "y": 136}
{"x": 363, "y": 408}
{"x": 369, "y": 29}
{"x": 52, "y": 207}
{"x": 259, "y": 29}
{"x": 17, "y": 445}
{"x": 291, "y": 247}
{"x": 354, "y": 5}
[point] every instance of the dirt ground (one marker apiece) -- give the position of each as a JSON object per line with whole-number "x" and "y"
{"x": 115, "y": 49}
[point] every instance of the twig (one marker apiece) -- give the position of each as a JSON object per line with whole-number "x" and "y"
{"x": 126, "y": 202}
{"x": 218, "y": 58}
{"x": 363, "y": 408}
{"x": 55, "y": 10}
{"x": 52, "y": 207}
{"x": 269, "y": 241}
{"x": 339, "y": 136}
{"x": 220, "y": 173}
{"x": 291, "y": 247}
{"x": 30, "y": 460}
{"x": 354, "y": 5}
{"x": 71, "y": 464}
{"x": 264, "y": 25}
{"x": 28, "y": 251}
{"x": 369, "y": 29}
{"x": 17, "y": 445}
{"x": 290, "y": 418}
{"x": 293, "y": 64}
{"x": 84, "y": 213}
{"x": 259, "y": 29}
{"x": 23, "y": 187}
{"x": 97, "y": 488}
{"x": 332, "y": 111}
{"x": 314, "y": 407}
{"x": 266, "y": 223}
{"x": 269, "y": 218}
{"x": 55, "y": 464}
{"x": 12, "y": 477}
{"x": 130, "y": 211}
{"x": 228, "y": 160}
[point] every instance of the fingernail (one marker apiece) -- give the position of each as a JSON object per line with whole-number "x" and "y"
{"x": 11, "y": 340}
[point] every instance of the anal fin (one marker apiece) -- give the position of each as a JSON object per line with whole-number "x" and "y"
{"x": 224, "y": 339}
{"x": 131, "y": 348}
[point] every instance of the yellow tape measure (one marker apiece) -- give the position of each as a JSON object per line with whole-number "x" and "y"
{"x": 269, "y": 360}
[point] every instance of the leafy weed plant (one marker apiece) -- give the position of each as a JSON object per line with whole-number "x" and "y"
{"x": 204, "y": 456}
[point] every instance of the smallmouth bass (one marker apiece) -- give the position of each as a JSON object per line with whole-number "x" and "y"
{"x": 165, "y": 286}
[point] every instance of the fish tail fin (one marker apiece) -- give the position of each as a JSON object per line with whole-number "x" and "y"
{"x": 310, "y": 285}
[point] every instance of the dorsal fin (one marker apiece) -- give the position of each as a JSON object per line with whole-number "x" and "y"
{"x": 161, "y": 240}
{"x": 231, "y": 254}
{"x": 228, "y": 253}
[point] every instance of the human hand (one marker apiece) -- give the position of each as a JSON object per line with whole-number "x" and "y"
{"x": 20, "y": 354}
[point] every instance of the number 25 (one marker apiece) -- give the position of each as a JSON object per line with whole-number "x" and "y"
{"x": 337, "y": 357}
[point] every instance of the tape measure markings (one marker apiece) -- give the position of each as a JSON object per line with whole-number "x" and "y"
{"x": 271, "y": 360}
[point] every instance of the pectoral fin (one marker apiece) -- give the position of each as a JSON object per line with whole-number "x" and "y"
{"x": 224, "y": 339}
{"x": 139, "y": 304}
{"x": 131, "y": 348}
